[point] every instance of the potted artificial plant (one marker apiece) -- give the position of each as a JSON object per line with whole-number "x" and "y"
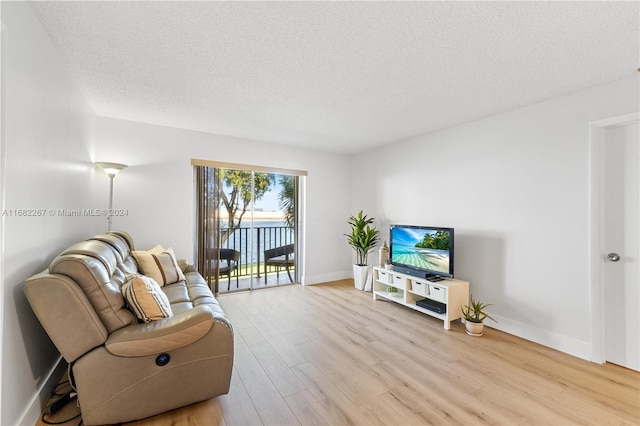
{"x": 363, "y": 238}
{"x": 474, "y": 315}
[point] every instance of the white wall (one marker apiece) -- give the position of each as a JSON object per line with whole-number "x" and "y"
{"x": 515, "y": 188}
{"x": 47, "y": 128}
{"x": 157, "y": 188}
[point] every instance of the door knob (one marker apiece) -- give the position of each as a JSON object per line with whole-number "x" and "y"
{"x": 613, "y": 257}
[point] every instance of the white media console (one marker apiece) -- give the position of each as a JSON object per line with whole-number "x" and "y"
{"x": 452, "y": 293}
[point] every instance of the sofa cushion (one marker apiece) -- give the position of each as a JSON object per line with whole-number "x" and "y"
{"x": 176, "y": 293}
{"x": 159, "y": 264}
{"x": 146, "y": 299}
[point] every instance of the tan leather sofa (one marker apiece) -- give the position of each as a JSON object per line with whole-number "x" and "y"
{"x": 116, "y": 364}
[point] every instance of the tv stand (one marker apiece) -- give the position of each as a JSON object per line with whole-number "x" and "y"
{"x": 452, "y": 293}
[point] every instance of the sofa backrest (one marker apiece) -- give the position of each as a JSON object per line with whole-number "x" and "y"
{"x": 122, "y": 243}
{"x": 97, "y": 268}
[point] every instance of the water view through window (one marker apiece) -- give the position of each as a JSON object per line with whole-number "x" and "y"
{"x": 256, "y": 216}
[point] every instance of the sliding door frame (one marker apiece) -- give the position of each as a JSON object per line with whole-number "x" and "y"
{"x": 299, "y": 184}
{"x": 247, "y": 167}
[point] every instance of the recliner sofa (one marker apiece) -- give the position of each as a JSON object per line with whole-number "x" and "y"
{"x": 121, "y": 368}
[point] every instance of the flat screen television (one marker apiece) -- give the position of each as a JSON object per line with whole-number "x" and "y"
{"x": 422, "y": 251}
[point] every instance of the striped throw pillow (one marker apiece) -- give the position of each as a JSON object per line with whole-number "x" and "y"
{"x": 159, "y": 264}
{"x": 146, "y": 299}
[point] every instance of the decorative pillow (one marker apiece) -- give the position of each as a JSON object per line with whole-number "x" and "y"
{"x": 145, "y": 299}
{"x": 157, "y": 249}
{"x": 159, "y": 264}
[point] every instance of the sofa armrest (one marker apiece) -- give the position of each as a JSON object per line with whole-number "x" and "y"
{"x": 66, "y": 314}
{"x": 161, "y": 336}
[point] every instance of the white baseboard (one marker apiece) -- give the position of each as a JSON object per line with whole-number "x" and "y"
{"x": 562, "y": 343}
{"x": 33, "y": 410}
{"x": 323, "y": 278}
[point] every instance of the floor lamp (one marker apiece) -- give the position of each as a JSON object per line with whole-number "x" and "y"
{"x": 111, "y": 169}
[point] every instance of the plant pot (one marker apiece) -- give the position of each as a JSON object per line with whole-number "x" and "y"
{"x": 362, "y": 277}
{"x": 474, "y": 328}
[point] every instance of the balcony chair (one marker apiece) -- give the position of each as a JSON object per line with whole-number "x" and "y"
{"x": 279, "y": 257}
{"x": 229, "y": 262}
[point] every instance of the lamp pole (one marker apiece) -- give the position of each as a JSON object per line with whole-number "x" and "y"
{"x": 111, "y": 169}
{"x": 110, "y": 216}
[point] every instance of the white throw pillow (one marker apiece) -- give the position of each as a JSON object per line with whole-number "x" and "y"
{"x": 146, "y": 299}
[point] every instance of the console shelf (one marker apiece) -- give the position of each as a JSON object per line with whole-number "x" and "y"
{"x": 451, "y": 293}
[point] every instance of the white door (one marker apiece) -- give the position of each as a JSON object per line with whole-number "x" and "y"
{"x": 621, "y": 240}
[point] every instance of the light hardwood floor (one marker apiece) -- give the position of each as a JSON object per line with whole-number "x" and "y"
{"x": 329, "y": 354}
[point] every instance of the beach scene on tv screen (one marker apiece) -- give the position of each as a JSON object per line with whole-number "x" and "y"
{"x": 421, "y": 248}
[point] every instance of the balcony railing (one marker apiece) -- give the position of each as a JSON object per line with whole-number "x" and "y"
{"x": 262, "y": 238}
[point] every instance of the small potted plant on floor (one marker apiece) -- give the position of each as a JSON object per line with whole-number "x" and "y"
{"x": 363, "y": 238}
{"x": 474, "y": 315}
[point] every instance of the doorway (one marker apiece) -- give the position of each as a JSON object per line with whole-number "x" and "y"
{"x": 248, "y": 225}
{"x": 615, "y": 239}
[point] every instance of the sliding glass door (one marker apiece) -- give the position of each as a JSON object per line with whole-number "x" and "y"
{"x": 249, "y": 237}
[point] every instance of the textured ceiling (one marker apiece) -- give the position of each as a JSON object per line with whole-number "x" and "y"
{"x": 336, "y": 76}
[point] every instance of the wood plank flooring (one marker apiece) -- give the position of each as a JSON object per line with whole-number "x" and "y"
{"x": 328, "y": 354}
